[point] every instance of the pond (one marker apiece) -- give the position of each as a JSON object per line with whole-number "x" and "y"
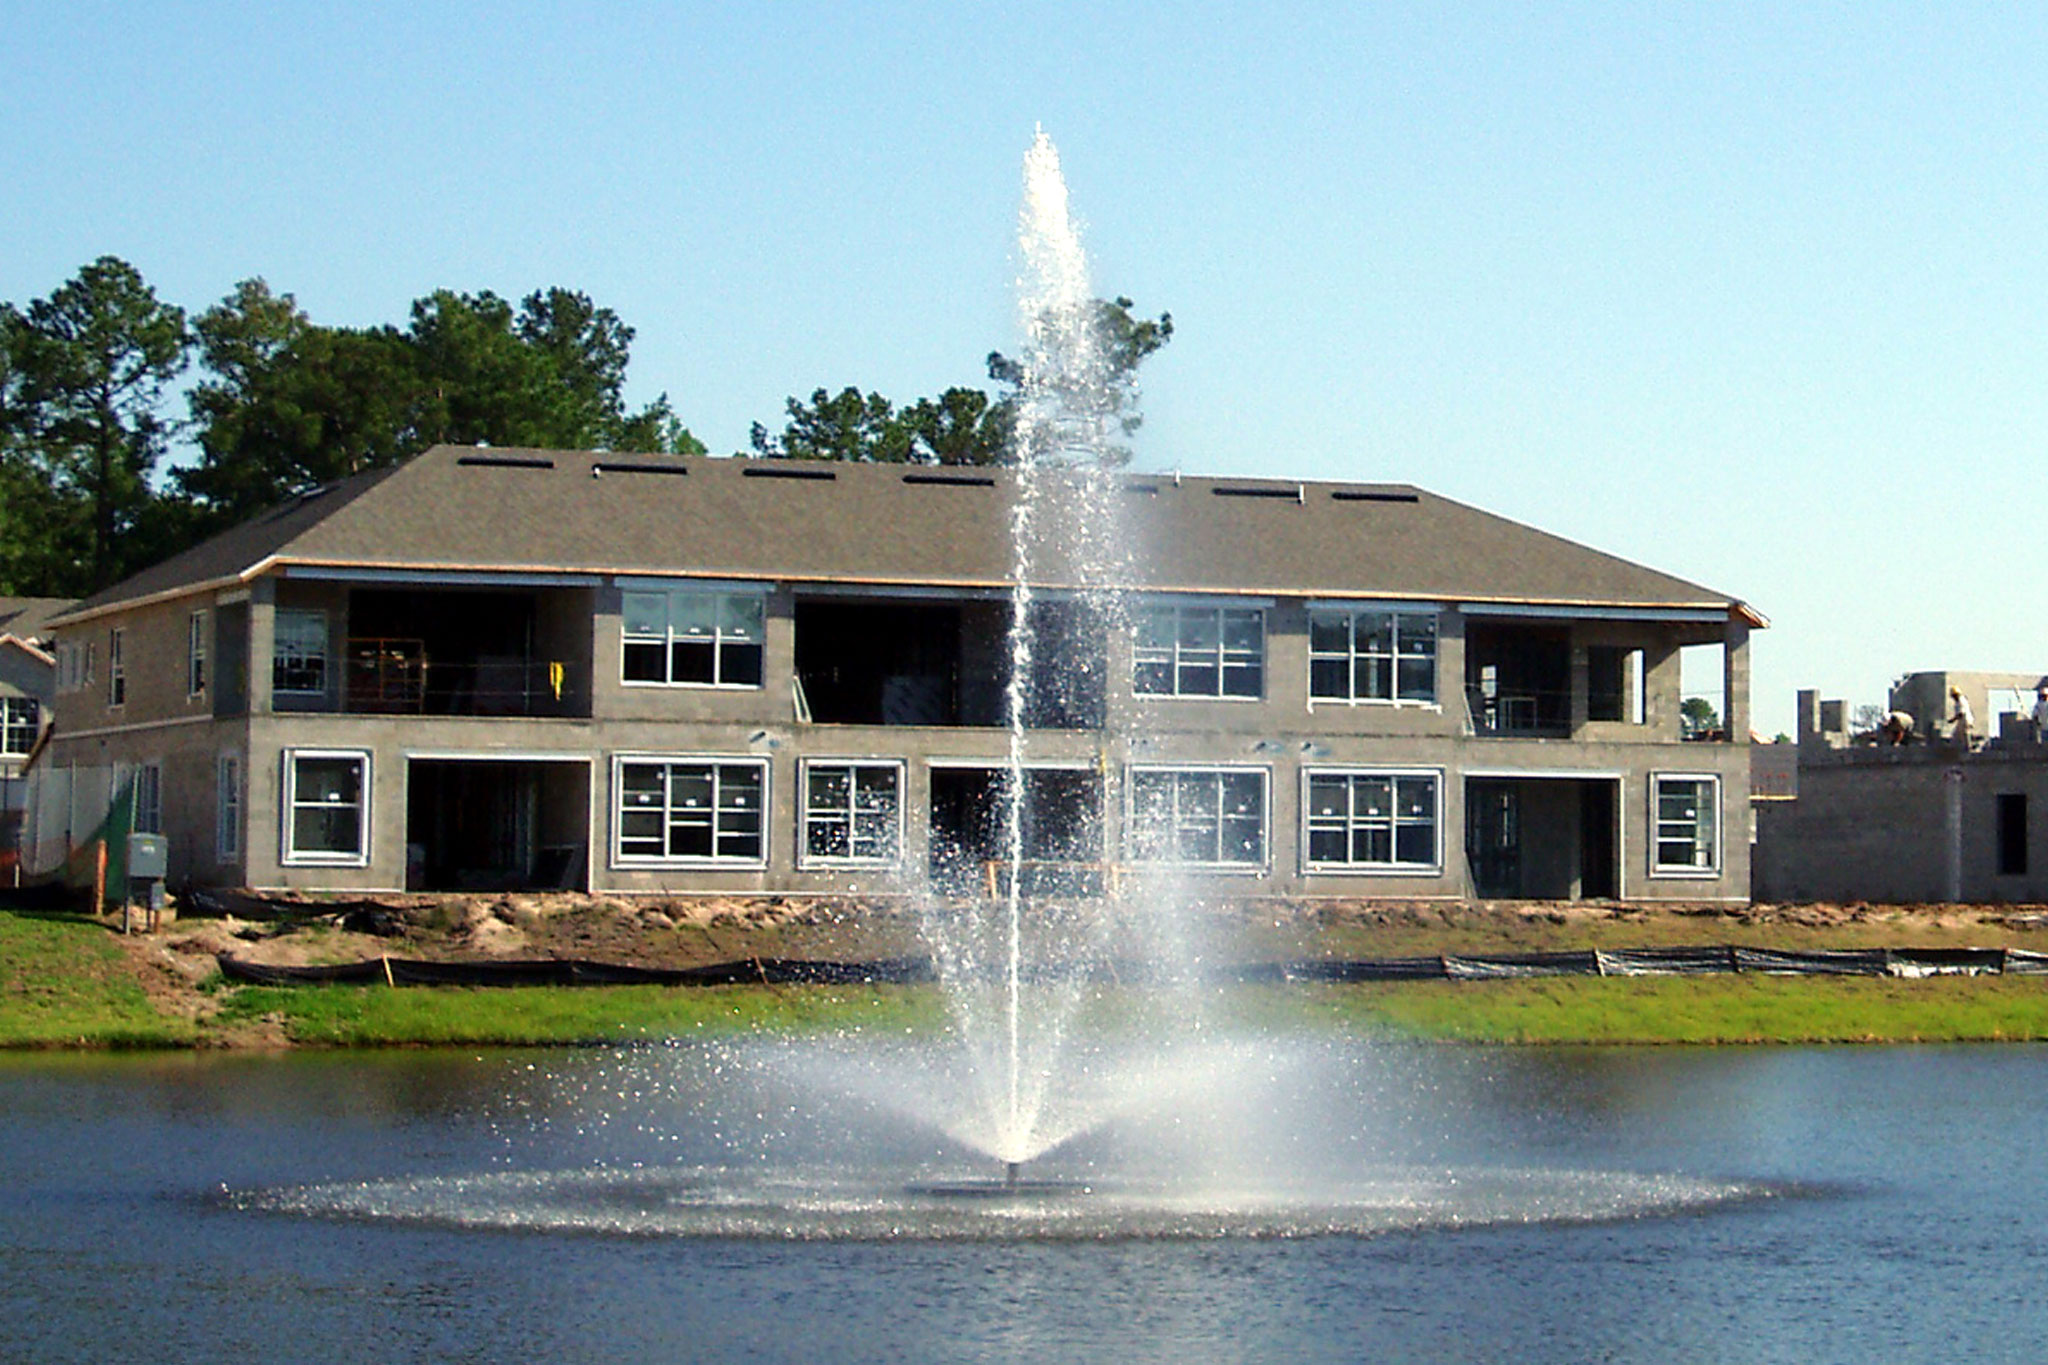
{"x": 690, "y": 1202}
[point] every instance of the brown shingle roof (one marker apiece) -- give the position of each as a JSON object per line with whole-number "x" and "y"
{"x": 27, "y": 618}
{"x": 572, "y": 511}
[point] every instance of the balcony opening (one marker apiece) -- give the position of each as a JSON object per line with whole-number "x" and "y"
{"x": 876, "y": 662}
{"x": 1062, "y": 814}
{"x": 496, "y": 825}
{"x": 1518, "y": 679}
{"x": 458, "y": 653}
{"x": 1543, "y": 838}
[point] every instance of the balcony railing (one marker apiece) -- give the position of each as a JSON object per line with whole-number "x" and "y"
{"x": 1526, "y": 712}
{"x": 389, "y": 676}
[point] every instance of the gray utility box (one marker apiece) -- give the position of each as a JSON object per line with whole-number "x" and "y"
{"x": 148, "y": 857}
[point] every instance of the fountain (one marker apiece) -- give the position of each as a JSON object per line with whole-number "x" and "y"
{"x": 1154, "y": 1121}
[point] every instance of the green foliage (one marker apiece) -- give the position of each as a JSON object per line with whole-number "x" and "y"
{"x": 81, "y": 396}
{"x": 1697, "y": 716}
{"x": 964, "y": 426}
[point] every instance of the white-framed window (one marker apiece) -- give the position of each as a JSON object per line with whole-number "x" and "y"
{"x": 298, "y": 654}
{"x": 1372, "y": 820}
{"x": 1196, "y": 650}
{"x": 1198, "y": 817}
{"x": 694, "y": 637}
{"x": 1370, "y": 654}
{"x": 690, "y": 810}
{"x": 20, "y": 719}
{"x": 1685, "y": 810}
{"x": 227, "y": 808}
{"x": 853, "y": 814}
{"x": 117, "y": 675}
{"x": 327, "y": 807}
{"x": 195, "y": 654}
{"x": 149, "y": 799}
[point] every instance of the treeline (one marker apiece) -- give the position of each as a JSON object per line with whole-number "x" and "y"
{"x": 279, "y": 404}
{"x": 101, "y": 475}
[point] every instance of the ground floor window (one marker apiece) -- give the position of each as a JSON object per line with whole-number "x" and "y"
{"x": 2012, "y": 834}
{"x": 327, "y": 807}
{"x": 1199, "y": 817}
{"x": 148, "y": 814}
{"x": 691, "y": 810}
{"x": 853, "y": 814}
{"x": 227, "y": 809}
{"x": 1372, "y": 821}
{"x": 1687, "y": 836}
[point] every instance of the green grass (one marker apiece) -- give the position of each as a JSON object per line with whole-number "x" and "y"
{"x": 379, "y": 1016}
{"x": 65, "y": 983}
{"x": 1711, "y": 1009}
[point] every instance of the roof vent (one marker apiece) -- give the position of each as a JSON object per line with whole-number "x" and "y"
{"x": 1293, "y": 494}
{"x": 953, "y": 480}
{"x": 506, "y": 461}
{"x": 1372, "y": 495}
{"x": 617, "y": 467}
{"x": 780, "y": 470}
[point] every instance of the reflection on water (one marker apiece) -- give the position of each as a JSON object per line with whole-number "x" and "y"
{"x": 151, "y": 1203}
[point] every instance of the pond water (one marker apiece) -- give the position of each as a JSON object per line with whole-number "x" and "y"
{"x": 692, "y": 1203}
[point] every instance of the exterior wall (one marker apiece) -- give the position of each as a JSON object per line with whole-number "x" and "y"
{"x": 1283, "y": 733}
{"x": 1904, "y": 826}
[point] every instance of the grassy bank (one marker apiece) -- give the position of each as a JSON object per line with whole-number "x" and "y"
{"x": 375, "y": 1016}
{"x": 64, "y": 982}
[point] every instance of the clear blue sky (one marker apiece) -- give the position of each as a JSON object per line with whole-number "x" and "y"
{"x": 1754, "y": 294}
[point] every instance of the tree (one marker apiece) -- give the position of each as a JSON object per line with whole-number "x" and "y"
{"x": 289, "y": 405}
{"x": 965, "y": 426}
{"x": 89, "y": 367}
{"x": 1697, "y": 716}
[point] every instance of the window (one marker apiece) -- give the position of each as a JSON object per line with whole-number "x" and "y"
{"x": 70, "y": 667}
{"x": 227, "y": 809}
{"x": 195, "y": 654}
{"x": 693, "y": 638}
{"x": 326, "y": 807}
{"x": 148, "y": 815}
{"x": 1196, "y": 651}
{"x": 298, "y": 657}
{"x": 1199, "y": 817}
{"x": 852, "y": 814}
{"x": 1687, "y": 831}
{"x": 691, "y": 811}
{"x": 1371, "y": 655}
{"x": 117, "y": 677}
{"x": 19, "y": 720}
{"x": 2012, "y": 834}
{"x": 1371, "y": 821}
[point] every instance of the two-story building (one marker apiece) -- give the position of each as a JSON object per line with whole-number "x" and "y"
{"x": 530, "y": 669}
{"x": 28, "y": 676}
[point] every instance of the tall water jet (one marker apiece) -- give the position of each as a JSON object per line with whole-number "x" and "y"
{"x": 1069, "y": 400}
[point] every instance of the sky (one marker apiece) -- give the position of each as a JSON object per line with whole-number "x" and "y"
{"x": 1753, "y": 294}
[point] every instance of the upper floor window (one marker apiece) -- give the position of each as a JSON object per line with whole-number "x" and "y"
{"x": 694, "y": 637}
{"x": 692, "y": 810}
{"x": 1199, "y": 817}
{"x": 298, "y": 666}
{"x": 195, "y": 654}
{"x": 1371, "y": 655}
{"x": 117, "y": 676}
{"x": 1687, "y": 837}
{"x": 19, "y": 718}
{"x": 1371, "y": 821}
{"x": 1185, "y": 650}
